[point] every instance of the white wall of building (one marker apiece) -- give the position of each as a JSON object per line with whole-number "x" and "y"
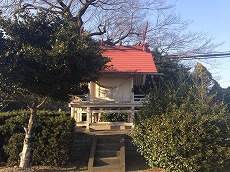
{"x": 112, "y": 88}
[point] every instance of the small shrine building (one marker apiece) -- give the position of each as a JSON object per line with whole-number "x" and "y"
{"x": 114, "y": 91}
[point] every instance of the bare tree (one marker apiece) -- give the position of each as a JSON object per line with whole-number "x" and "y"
{"x": 171, "y": 34}
{"x": 115, "y": 20}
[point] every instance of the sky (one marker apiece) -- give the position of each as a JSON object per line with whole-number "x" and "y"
{"x": 211, "y": 17}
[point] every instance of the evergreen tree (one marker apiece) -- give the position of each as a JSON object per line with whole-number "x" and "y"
{"x": 42, "y": 57}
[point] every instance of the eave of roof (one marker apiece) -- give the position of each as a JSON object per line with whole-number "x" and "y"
{"x": 129, "y": 60}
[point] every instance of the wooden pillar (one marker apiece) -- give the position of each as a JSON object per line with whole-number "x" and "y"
{"x": 132, "y": 90}
{"x": 96, "y": 117}
{"x": 80, "y": 114}
{"x": 75, "y": 114}
{"x": 93, "y": 118}
{"x": 132, "y": 117}
{"x": 79, "y": 117}
{"x": 99, "y": 115}
{"x": 72, "y": 111}
{"x": 88, "y": 119}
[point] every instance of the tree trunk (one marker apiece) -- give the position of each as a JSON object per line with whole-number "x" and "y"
{"x": 25, "y": 155}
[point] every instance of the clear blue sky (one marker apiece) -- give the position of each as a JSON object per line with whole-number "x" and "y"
{"x": 213, "y": 18}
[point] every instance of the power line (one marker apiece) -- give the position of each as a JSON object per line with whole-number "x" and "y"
{"x": 201, "y": 56}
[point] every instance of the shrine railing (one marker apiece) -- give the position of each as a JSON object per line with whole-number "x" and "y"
{"x": 137, "y": 99}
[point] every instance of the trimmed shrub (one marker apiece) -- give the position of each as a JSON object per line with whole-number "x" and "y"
{"x": 51, "y": 140}
{"x": 11, "y": 123}
{"x": 191, "y": 137}
{"x": 13, "y": 148}
{"x": 114, "y": 117}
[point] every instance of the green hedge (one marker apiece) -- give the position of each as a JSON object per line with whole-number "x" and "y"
{"x": 52, "y": 138}
{"x": 114, "y": 117}
{"x": 191, "y": 137}
{"x": 11, "y": 123}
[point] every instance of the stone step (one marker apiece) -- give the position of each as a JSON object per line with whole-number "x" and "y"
{"x": 109, "y": 132}
{"x": 109, "y": 153}
{"x": 108, "y": 146}
{"x": 98, "y": 162}
{"x": 109, "y": 139}
{"x": 106, "y": 153}
{"x": 108, "y": 168}
{"x": 110, "y": 127}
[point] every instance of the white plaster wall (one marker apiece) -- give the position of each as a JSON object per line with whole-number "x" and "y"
{"x": 112, "y": 88}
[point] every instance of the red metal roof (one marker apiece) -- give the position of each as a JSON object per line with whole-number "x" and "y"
{"x": 129, "y": 59}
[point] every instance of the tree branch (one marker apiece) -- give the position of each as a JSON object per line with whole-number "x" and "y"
{"x": 65, "y": 8}
{"x": 42, "y": 102}
{"x": 52, "y": 5}
{"x": 128, "y": 33}
{"x": 69, "y": 5}
{"x": 80, "y": 13}
{"x": 31, "y": 6}
{"x": 101, "y": 32}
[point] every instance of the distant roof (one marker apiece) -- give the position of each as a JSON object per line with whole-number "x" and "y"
{"x": 129, "y": 59}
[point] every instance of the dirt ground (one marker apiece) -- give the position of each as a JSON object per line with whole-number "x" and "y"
{"x": 134, "y": 163}
{"x": 59, "y": 169}
{"x": 55, "y": 169}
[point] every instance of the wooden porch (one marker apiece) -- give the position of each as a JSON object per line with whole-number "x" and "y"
{"x": 87, "y": 113}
